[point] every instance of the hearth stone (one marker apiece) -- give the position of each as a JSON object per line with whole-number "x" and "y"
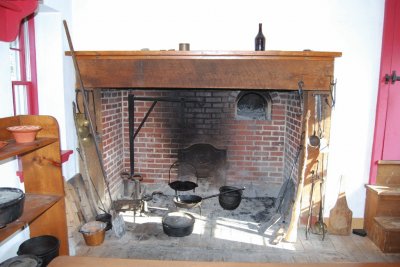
{"x": 205, "y": 189}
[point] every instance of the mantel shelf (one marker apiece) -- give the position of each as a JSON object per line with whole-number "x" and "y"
{"x": 208, "y": 54}
{"x": 207, "y": 69}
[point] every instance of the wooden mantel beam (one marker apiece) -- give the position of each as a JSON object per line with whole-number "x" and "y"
{"x": 281, "y": 70}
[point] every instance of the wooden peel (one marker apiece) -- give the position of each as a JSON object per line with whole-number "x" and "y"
{"x": 340, "y": 216}
{"x": 291, "y": 235}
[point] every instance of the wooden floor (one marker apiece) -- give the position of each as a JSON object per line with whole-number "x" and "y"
{"x": 332, "y": 249}
{"x": 220, "y": 236}
{"x": 68, "y": 261}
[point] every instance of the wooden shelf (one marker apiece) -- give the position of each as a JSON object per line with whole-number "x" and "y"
{"x": 15, "y": 149}
{"x": 34, "y": 206}
{"x": 44, "y": 209}
{"x": 238, "y": 70}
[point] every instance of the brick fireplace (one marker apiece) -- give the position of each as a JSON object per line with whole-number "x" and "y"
{"x": 260, "y": 148}
{"x": 259, "y": 152}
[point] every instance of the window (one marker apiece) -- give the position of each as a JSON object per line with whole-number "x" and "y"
{"x": 23, "y": 70}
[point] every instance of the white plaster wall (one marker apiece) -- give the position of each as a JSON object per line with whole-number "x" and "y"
{"x": 55, "y": 81}
{"x": 61, "y": 10}
{"x": 353, "y": 27}
{"x": 6, "y": 108}
{"x": 8, "y": 177}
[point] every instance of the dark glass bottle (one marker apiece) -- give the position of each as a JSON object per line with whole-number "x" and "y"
{"x": 260, "y": 39}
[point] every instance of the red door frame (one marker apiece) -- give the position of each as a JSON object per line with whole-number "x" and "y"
{"x": 33, "y": 92}
{"x": 391, "y": 8}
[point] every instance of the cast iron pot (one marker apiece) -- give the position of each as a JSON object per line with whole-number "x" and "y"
{"x": 178, "y": 224}
{"x": 229, "y": 200}
{"x": 11, "y": 205}
{"x": 105, "y": 218}
{"x": 191, "y": 201}
{"x": 46, "y": 247}
{"x": 23, "y": 261}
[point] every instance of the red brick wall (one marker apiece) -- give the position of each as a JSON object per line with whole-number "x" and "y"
{"x": 258, "y": 151}
{"x": 112, "y": 137}
{"x": 293, "y": 133}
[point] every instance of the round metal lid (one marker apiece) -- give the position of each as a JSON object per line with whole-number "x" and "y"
{"x": 178, "y": 219}
{"x": 10, "y": 196}
{"x": 22, "y": 261}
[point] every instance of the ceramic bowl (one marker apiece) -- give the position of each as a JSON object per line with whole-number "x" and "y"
{"x": 24, "y": 133}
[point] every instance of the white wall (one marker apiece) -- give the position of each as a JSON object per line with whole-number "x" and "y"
{"x": 8, "y": 177}
{"x": 7, "y": 167}
{"x": 55, "y": 78}
{"x": 353, "y": 27}
{"x": 57, "y": 11}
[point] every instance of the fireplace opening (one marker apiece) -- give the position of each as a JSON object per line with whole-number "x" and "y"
{"x": 253, "y": 106}
{"x": 209, "y": 162}
{"x": 258, "y": 154}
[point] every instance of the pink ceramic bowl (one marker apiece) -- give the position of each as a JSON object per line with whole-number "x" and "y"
{"x": 24, "y": 133}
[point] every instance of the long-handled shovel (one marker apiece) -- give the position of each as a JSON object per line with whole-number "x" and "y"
{"x": 117, "y": 221}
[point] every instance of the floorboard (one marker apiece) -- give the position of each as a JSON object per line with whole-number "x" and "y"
{"x": 228, "y": 236}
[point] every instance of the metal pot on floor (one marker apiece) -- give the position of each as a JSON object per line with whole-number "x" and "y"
{"x": 178, "y": 224}
{"x": 230, "y": 197}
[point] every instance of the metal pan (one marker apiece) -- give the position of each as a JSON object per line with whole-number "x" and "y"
{"x": 181, "y": 185}
{"x": 192, "y": 201}
{"x": 187, "y": 201}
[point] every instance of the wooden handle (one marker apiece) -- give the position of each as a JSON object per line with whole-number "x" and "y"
{"x": 291, "y": 235}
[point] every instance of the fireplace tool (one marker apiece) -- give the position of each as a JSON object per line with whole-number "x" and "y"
{"x": 314, "y": 139}
{"x": 117, "y": 221}
{"x": 133, "y": 199}
{"x": 286, "y": 194}
{"x": 311, "y": 203}
{"x": 132, "y": 186}
{"x": 320, "y": 228}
